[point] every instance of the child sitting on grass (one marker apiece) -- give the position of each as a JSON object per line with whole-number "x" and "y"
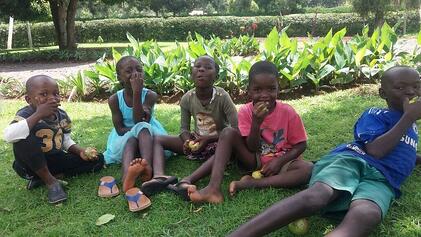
{"x": 271, "y": 138}
{"x": 212, "y": 110}
{"x": 134, "y": 125}
{"x": 358, "y": 180}
{"x": 40, "y": 134}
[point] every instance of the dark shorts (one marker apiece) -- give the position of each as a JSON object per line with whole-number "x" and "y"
{"x": 356, "y": 178}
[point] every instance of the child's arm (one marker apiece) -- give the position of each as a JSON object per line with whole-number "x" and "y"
{"x": 259, "y": 113}
{"x": 275, "y": 165}
{"x": 20, "y": 130}
{"x": 136, "y": 82}
{"x": 185, "y": 117}
{"x": 383, "y": 144}
{"x": 149, "y": 103}
{"x": 80, "y": 151}
{"x": 116, "y": 115}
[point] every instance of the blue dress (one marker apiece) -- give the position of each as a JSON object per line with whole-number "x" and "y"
{"x": 116, "y": 143}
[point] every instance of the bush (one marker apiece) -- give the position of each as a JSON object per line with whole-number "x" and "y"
{"x": 177, "y": 28}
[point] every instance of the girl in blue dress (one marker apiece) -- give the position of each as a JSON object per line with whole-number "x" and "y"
{"x": 134, "y": 127}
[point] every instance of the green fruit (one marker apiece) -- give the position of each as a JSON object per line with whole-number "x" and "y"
{"x": 299, "y": 227}
{"x": 194, "y": 146}
{"x": 257, "y": 174}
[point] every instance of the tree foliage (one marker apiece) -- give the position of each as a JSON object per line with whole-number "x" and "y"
{"x": 376, "y": 7}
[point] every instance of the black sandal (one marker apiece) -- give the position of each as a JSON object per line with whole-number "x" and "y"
{"x": 157, "y": 184}
{"x": 180, "y": 189}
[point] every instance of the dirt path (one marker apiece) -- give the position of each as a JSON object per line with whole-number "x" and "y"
{"x": 59, "y": 70}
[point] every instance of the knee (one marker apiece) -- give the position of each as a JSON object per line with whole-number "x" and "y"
{"x": 228, "y": 133}
{"x": 314, "y": 199}
{"x": 368, "y": 211}
{"x": 131, "y": 142}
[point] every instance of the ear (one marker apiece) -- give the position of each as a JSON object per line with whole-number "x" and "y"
{"x": 28, "y": 99}
{"x": 382, "y": 93}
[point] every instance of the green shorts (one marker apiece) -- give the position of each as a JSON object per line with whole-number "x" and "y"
{"x": 356, "y": 177}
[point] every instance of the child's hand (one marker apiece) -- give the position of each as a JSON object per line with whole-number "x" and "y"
{"x": 197, "y": 145}
{"x": 47, "y": 108}
{"x": 186, "y": 147}
{"x": 89, "y": 154}
{"x": 412, "y": 108}
{"x": 136, "y": 81}
{"x": 260, "y": 110}
{"x": 271, "y": 168}
{"x": 147, "y": 114}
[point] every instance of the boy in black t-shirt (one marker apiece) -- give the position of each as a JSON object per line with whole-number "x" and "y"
{"x": 42, "y": 145}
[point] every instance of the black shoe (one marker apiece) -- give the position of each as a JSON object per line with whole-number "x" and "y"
{"x": 56, "y": 193}
{"x": 34, "y": 183}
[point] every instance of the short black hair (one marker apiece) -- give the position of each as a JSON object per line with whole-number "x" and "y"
{"x": 124, "y": 60}
{"x": 394, "y": 71}
{"x": 262, "y": 67}
{"x": 29, "y": 85}
{"x": 213, "y": 60}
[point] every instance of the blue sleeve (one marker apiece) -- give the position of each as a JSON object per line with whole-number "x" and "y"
{"x": 370, "y": 125}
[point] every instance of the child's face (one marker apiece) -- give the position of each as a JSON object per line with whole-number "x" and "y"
{"x": 131, "y": 68}
{"x": 204, "y": 72}
{"x": 404, "y": 85}
{"x": 264, "y": 88}
{"x": 41, "y": 91}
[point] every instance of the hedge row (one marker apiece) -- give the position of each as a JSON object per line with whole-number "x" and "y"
{"x": 177, "y": 28}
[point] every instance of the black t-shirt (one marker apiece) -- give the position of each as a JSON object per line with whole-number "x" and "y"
{"x": 49, "y": 132}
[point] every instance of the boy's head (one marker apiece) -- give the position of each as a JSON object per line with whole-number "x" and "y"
{"x": 204, "y": 71}
{"x": 398, "y": 84}
{"x": 127, "y": 67}
{"x": 263, "y": 83}
{"x": 40, "y": 89}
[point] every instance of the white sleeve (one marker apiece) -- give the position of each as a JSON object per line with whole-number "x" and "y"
{"x": 67, "y": 141}
{"x": 16, "y": 131}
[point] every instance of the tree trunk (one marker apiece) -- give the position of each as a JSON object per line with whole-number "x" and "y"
{"x": 71, "y": 30}
{"x": 58, "y": 12}
{"x": 379, "y": 18}
{"x": 64, "y": 22}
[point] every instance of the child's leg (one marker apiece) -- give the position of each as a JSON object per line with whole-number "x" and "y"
{"x": 145, "y": 145}
{"x": 298, "y": 173}
{"x": 362, "y": 217}
{"x": 28, "y": 154}
{"x": 172, "y": 143}
{"x": 229, "y": 139}
{"x": 305, "y": 203}
{"x": 204, "y": 170}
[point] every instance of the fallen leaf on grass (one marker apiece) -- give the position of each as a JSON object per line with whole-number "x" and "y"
{"x": 5, "y": 209}
{"x": 104, "y": 219}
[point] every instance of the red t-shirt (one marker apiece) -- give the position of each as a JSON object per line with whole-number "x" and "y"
{"x": 279, "y": 131}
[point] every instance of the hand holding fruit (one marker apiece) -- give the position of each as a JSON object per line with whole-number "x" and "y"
{"x": 257, "y": 174}
{"x": 260, "y": 110}
{"x": 90, "y": 153}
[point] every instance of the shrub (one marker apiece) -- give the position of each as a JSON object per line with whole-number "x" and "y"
{"x": 177, "y": 28}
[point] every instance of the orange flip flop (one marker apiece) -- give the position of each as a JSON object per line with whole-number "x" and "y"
{"x": 108, "y": 187}
{"x": 137, "y": 200}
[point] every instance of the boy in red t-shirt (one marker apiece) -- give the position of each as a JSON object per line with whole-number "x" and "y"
{"x": 271, "y": 138}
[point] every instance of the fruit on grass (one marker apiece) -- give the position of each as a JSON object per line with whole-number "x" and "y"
{"x": 299, "y": 227}
{"x": 194, "y": 146}
{"x": 257, "y": 174}
{"x": 91, "y": 153}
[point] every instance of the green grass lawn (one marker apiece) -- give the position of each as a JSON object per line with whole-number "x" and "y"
{"x": 328, "y": 119}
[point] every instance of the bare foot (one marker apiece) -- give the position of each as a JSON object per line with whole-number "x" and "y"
{"x": 134, "y": 170}
{"x": 237, "y": 185}
{"x": 147, "y": 173}
{"x": 204, "y": 195}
